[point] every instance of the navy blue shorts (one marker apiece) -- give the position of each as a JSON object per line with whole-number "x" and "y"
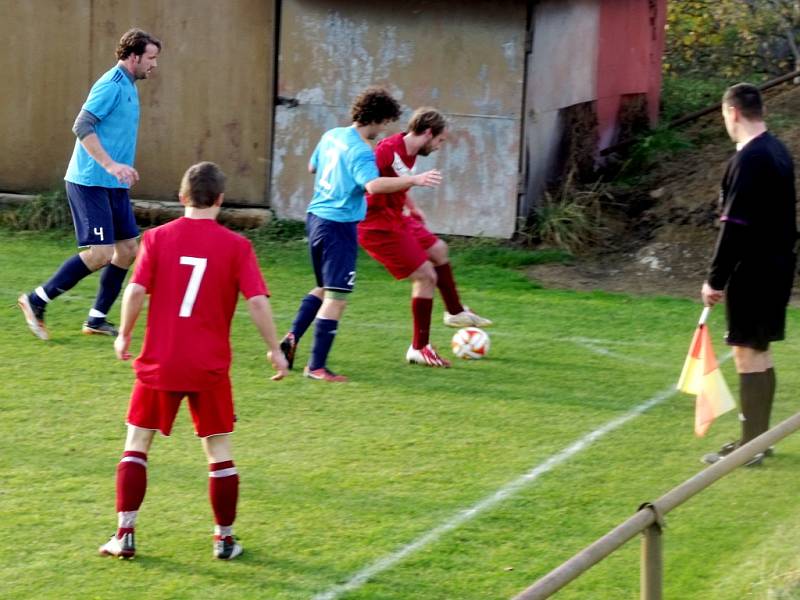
{"x": 334, "y": 249}
{"x": 101, "y": 215}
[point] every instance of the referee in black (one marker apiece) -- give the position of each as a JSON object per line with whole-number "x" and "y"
{"x": 754, "y": 259}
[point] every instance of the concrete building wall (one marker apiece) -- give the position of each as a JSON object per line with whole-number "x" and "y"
{"x": 562, "y": 71}
{"x": 212, "y": 97}
{"x": 467, "y": 62}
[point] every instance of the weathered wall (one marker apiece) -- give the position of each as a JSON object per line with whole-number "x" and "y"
{"x": 210, "y": 99}
{"x": 468, "y": 62}
{"x": 629, "y": 57}
{"x": 212, "y": 96}
{"x": 598, "y": 51}
{"x": 562, "y": 71}
{"x": 45, "y": 68}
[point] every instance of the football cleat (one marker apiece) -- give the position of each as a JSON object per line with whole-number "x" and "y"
{"x": 731, "y": 446}
{"x": 124, "y": 547}
{"x": 728, "y": 448}
{"x": 289, "y": 347}
{"x": 466, "y": 318}
{"x": 226, "y": 548}
{"x": 34, "y": 317}
{"x": 324, "y": 374}
{"x": 99, "y": 327}
{"x": 714, "y": 457}
{"x": 427, "y": 356}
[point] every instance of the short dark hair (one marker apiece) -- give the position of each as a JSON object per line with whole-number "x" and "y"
{"x": 202, "y": 184}
{"x": 135, "y": 41}
{"x": 427, "y": 118}
{"x": 747, "y": 99}
{"x": 374, "y": 105}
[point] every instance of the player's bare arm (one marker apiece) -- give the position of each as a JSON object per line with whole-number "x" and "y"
{"x": 390, "y": 185}
{"x": 261, "y": 314}
{"x": 132, "y": 301}
{"x": 124, "y": 173}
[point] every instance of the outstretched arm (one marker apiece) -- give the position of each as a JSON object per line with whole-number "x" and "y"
{"x": 261, "y": 313}
{"x": 132, "y": 301}
{"x": 390, "y": 185}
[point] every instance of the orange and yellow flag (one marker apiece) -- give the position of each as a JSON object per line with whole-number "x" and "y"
{"x": 701, "y": 376}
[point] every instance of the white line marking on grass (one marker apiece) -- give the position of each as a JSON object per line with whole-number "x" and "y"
{"x": 505, "y": 492}
{"x": 605, "y": 342}
{"x": 602, "y": 351}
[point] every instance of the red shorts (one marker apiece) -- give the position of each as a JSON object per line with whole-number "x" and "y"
{"x": 212, "y": 409}
{"x": 402, "y": 250}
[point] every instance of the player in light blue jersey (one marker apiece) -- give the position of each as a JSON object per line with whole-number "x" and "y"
{"x": 97, "y": 180}
{"x": 344, "y": 167}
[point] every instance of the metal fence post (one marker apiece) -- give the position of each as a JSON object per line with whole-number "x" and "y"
{"x": 652, "y": 569}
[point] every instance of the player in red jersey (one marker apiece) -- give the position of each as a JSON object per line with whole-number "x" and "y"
{"x": 344, "y": 167}
{"x": 394, "y": 234}
{"x": 193, "y": 269}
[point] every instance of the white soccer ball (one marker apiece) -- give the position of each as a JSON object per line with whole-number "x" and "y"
{"x": 470, "y": 343}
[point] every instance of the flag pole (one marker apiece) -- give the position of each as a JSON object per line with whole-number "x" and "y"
{"x": 704, "y": 315}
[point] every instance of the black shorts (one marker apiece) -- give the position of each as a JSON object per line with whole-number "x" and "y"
{"x": 755, "y": 303}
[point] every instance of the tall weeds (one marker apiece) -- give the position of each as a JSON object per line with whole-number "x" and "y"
{"x": 571, "y": 218}
{"x": 46, "y": 211}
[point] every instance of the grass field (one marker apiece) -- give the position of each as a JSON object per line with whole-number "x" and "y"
{"x": 377, "y": 474}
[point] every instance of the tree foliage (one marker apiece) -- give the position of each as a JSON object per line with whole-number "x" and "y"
{"x": 732, "y": 38}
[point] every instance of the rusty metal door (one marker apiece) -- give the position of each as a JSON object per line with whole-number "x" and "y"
{"x": 465, "y": 59}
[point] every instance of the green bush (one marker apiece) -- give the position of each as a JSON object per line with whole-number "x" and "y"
{"x": 730, "y": 38}
{"x": 652, "y": 148}
{"x": 683, "y": 94}
{"x": 45, "y": 211}
{"x": 279, "y": 230}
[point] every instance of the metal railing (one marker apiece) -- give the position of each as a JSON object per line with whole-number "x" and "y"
{"x": 649, "y": 519}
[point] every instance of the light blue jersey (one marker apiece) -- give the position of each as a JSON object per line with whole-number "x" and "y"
{"x": 114, "y": 100}
{"x": 344, "y": 164}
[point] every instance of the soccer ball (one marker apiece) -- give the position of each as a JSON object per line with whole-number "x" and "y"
{"x": 470, "y": 343}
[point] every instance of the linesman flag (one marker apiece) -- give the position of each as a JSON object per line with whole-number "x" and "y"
{"x": 701, "y": 376}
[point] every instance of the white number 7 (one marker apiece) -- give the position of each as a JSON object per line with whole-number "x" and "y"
{"x": 198, "y": 268}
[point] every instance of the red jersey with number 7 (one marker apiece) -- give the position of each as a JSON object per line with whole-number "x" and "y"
{"x": 194, "y": 271}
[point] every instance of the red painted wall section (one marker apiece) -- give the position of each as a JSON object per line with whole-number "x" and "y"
{"x": 658, "y": 20}
{"x": 630, "y": 48}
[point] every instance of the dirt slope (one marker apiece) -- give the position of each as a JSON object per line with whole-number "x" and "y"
{"x": 665, "y": 248}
